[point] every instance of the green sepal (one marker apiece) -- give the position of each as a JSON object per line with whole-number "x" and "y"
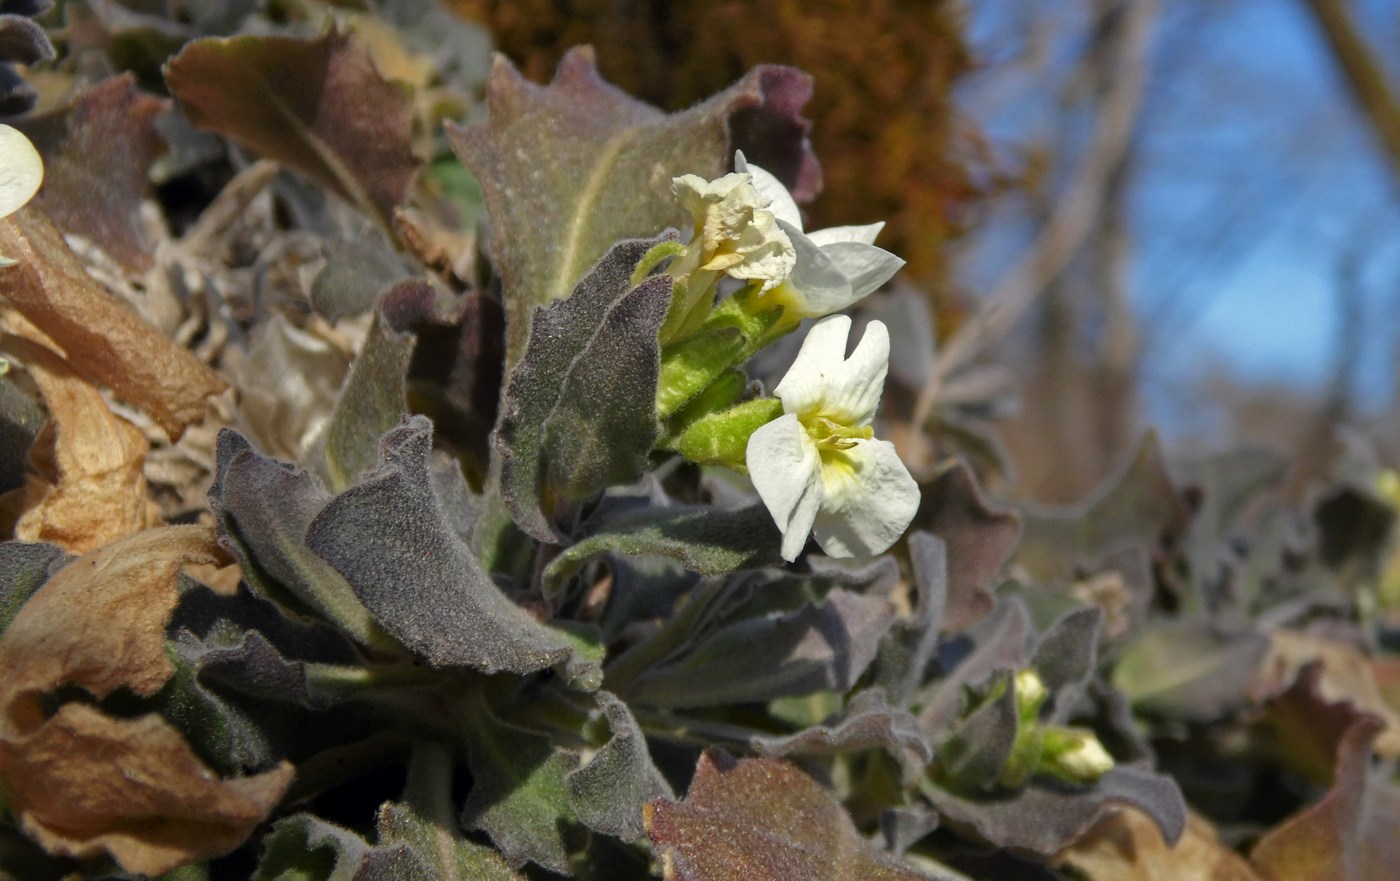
{"x": 723, "y": 438}
{"x": 651, "y": 259}
{"x": 688, "y": 367}
{"x": 725, "y": 391}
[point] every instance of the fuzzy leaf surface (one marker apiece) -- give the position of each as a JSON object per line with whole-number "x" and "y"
{"x": 579, "y": 409}
{"x": 869, "y": 722}
{"x": 608, "y": 793}
{"x": 763, "y": 820}
{"x": 317, "y": 105}
{"x": 570, "y": 168}
{"x": 393, "y": 544}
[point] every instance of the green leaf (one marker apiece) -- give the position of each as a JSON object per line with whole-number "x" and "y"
{"x": 390, "y": 539}
{"x": 520, "y": 793}
{"x": 375, "y": 395}
{"x": 579, "y": 410}
{"x": 710, "y": 541}
{"x": 764, "y": 820}
{"x": 570, "y": 168}
{"x": 24, "y": 567}
{"x": 316, "y": 105}
{"x": 306, "y": 848}
{"x": 609, "y": 792}
{"x": 1189, "y": 670}
{"x": 449, "y": 856}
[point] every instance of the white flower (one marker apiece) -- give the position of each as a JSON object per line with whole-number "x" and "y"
{"x": 835, "y": 267}
{"x": 735, "y": 233}
{"x": 817, "y": 467}
{"x": 21, "y": 172}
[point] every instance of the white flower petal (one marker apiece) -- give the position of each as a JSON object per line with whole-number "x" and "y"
{"x": 853, "y": 392}
{"x": 21, "y": 170}
{"x": 873, "y": 507}
{"x": 786, "y": 470}
{"x": 833, "y": 234}
{"x": 769, "y": 187}
{"x": 817, "y": 286}
{"x": 823, "y": 353}
{"x": 865, "y": 266}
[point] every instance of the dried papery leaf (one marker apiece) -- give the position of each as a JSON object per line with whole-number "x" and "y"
{"x": 1127, "y": 846}
{"x": 608, "y": 792}
{"x": 578, "y": 412}
{"x": 390, "y": 540}
{"x": 101, "y": 338}
{"x": 868, "y": 722}
{"x": 763, "y": 820}
{"x": 1350, "y": 834}
{"x": 979, "y": 537}
{"x": 1341, "y": 674}
{"x": 1307, "y": 728}
{"x": 82, "y": 783}
{"x": 99, "y": 170}
{"x": 287, "y": 387}
{"x": 316, "y": 105}
{"x": 1047, "y": 815}
{"x": 570, "y": 168}
{"x": 99, "y": 494}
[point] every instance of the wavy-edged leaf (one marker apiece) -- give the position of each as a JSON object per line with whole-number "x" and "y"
{"x": 868, "y": 722}
{"x": 579, "y": 410}
{"x": 979, "y": 538}
{"x": 763, "y": 820}
{"x": 609, "y": 791}
{"x": 307, "y": 848}
{"x": 570, "y": 168}
{"x": 317, "y": 105}
{"x": 390, "y": 540}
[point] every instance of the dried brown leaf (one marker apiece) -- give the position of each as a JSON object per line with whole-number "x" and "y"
{"x": 1128, "y": 846}
{"x": 101, "y": 338}
{"x": 81, "y": 783}
{"x": 98, "y": 494}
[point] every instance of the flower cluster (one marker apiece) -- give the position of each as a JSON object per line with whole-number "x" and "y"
{"x": 814, "y": 461}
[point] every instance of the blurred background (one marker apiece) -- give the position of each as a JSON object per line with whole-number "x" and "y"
{"x": 1177, "y": 214}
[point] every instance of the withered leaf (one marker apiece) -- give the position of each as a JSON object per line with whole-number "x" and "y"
{"x": 100, "y": 491}
{"x": 98, "y": 174}
{"x": 101, "y": 338}
{"x": 1127, "y": 846}
{"x": 84, "y": 784}
{"x": 763, "y": 820}
{"x": 570, "y": 168}
{"x": 1350, "y": 833}
{"x": 317, "y": 105}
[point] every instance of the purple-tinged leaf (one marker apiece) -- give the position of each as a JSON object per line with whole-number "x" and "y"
{"x": 609, "y": 792}
{"x": 579, "y": 410}
{"x": 979, "y": 540}
{"x": 1350, "y": 833}
{"x": 1139, "y": 505}
{"x": 869, "y": 722}
{"x": 1047, "y": 815}
{"x": 979, "y": 745}
{"x": 570, "y": 168}
{"x": 820, "y": 647}
{"x": 264, "y": 508}
{"x": 316, "y": 105}
{"x": 764, "y": 820}
{"x": 358, "y": 270}
{"x": 22, "y": 41}
{"x": 1066, "y": 658}
{"x": 1001, "y": 642}
{"x": 910, "y": 647}
{"x": 391, "y": 541}
{"x": 97, "y": 171}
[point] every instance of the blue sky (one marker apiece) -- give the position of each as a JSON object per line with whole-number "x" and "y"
{"x": 1257, "y": 187}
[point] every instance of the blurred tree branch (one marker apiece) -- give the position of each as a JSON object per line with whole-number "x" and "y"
{"x": 1363, "y": 73}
